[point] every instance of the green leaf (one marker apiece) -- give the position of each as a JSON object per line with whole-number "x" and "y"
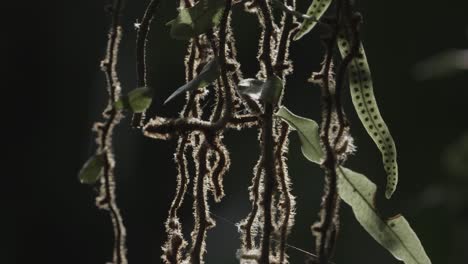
{"x": 197, "y": 19}
{"x": 272, "y": 90}
{"x": 92, "y": 169}
{"x": 208, "y": 74}
{"x": 308, "y": 131}
{"x": 140, "y": 99}
{"x": 394, "y": 234}
{"x": 316, "y": 10}
{"x": 137, "y": 100}
{"x": 363, "y": 98}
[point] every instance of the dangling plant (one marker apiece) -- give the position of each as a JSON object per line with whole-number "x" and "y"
{"x": 213, "y": 72}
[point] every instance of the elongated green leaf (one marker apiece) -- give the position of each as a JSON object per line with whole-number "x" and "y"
{"x": 308, "y": 131}
{"x": 137, "y": 100}
{"x": 363, "y": 98}
{"x": 395, "y": 234}
{"x": 197, "y": 19}
{"x": 92, "y": 169}
{"x": 316, "y": 10}
{"x": 208, "y": 75}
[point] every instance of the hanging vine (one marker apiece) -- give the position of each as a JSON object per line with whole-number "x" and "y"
{"x": 213, "y": 74}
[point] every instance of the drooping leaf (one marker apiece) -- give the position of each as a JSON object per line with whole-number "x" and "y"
{"x": 92, "y": 169}
{"x": 268, "y": 91}
{"x": 197, "y": 19}
{"x": 251, "y": 87}
{"x": 363, "y": 98}
{"x": 308, "y": 131}
{"x": 394, "y": 234}
{"x": 272, "y": 90}
{"x": 316, "y": 10}
{"x": 137, "y": 100}
{"x": 208, "y": 74}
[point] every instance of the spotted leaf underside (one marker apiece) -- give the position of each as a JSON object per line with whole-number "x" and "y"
{"x": 363, "y": 98}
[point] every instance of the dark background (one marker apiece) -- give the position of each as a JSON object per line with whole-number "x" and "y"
{"x": 54, "y": 92}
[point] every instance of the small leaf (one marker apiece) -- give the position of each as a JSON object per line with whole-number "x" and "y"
{"x": 92, "y": 169}
{"x": 272, "y": 90}
{"x": 137, "y": 101}
{"x": 394, "y": 234}
{"x": 140, "y": 99}
{"x": 197, "y": 19}
{"x": 308, "y": 131}
{"x": 315, "y": 12}
{"x": 362, "y": 94}
{"x": 251, "y": 87}
{"x": 208, "y": 74}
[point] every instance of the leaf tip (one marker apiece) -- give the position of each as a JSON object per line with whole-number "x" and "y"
{"x": 169, "y": 99}
{"x": 390, "y": 190}
{"x": 297, "y": 36}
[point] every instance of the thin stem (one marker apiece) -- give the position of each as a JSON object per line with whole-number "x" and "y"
{"x": 175, "y": 243}
{"x": 267, "y": 21}
{"x": 141, "y": 42}
{"x": 202, "y": 220}
{"x": 254, "y": 198}
{"x": 282, "y": 65}
{"x": 330, "y": 200}
{"x": 219, "y": 169}
{"x": 267, "y": 136}
{"x": 107, "y": 198}
{"x": 327, "y": 228}
{"x": 269, "y": 181}
{"x": 286, "y": 205}
{"x": 222, "y": 56}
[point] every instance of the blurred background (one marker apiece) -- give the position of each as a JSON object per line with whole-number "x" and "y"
{"x": 55, "y": 91}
